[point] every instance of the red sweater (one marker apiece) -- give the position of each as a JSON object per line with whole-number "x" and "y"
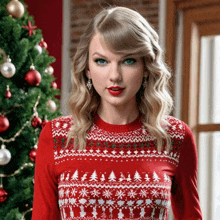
{"x": 120, "y": 175}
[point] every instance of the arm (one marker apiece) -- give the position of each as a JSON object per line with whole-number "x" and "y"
{"x": 184, "y": 194}
{"x": 45, "y": 204}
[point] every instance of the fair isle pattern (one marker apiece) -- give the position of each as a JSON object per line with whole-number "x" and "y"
{"x": 100, "y": 193}
{"x": 99, "y": 185}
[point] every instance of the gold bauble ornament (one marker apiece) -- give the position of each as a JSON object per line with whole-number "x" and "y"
{"x": 15, "y": 9}
{"x": 51, "y": 105}
{"x": 49, "y": 70}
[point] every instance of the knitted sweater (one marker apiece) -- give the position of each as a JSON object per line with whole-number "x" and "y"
{"x": 120, "y": 174}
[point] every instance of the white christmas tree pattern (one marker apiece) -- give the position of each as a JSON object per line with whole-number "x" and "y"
{"x": 93, "y": 176}
{"x": 137, "y": 176}
{"x": 156, "y": 177}
{"x": 75, "y": 175}
{"x": 112, "y": 177}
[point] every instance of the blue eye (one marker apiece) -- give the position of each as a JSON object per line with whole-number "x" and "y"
{"x": 130, "y": 61}
{"x": 100, "y": 61}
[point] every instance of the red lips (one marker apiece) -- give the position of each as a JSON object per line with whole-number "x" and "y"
{"x": 115, "y": 90}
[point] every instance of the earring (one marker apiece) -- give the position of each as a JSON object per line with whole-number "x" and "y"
{"x": 145, "y": 82}
{"x": 89, "y": 84}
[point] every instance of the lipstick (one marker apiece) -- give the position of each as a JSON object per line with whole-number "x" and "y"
{"x": 115, "y": 90}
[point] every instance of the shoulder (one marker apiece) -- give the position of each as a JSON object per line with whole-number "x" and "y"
{"x": 175, "y": 127}
{"x": 60, "y": 126}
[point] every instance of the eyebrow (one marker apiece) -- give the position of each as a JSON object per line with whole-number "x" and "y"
{"x": 127, "y": 55}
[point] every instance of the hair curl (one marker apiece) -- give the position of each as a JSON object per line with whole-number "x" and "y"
{"x": 125, "y": 31}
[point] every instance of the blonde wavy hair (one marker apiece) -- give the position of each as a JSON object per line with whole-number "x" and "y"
{"x": 125, "y": 31}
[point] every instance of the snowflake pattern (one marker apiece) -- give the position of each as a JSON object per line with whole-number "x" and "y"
{"x": 107, "y": 193}
{"x": 95, "y": 192}
{"x": 132, "y": 193}
{"x": 84, "y": 192}
{"x": 143, "y": 193}
{"x": 120, "y": 194}
{"x": 73, "y": 192}
{"x": 155, "y": 193}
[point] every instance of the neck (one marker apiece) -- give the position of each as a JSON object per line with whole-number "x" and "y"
{"x": 118, "y": 115}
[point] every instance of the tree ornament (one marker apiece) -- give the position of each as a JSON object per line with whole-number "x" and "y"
{"x": 43, "y": 44}
{"x": 8, "y": 68}
{"x": 15, "y": 9}
{"x": 4, "y": 123}
{"x": 49, "y": 70}
{"x": 33, "y": 77}
{"x": 44, "y": 122}
{"x": 36, "y": 122}
{"x": 3, "y": 195}
{"x": 51, "y": 105}
{"x": 30, "y": 28}
{"x": 39, "y": 49}
{"x": 5, "y": 155}
{"x": 8, "y": 93}
{"x": 54, "y": 85}
{"x": 33, "y": 153}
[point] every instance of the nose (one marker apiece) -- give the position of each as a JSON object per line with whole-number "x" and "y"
{"x": 115, "y": 73}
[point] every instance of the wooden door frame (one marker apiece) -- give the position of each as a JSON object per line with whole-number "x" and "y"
{"x": 195, "y": 18}
{"x": 192, "y": 17}
{"x": 172, "y": 6}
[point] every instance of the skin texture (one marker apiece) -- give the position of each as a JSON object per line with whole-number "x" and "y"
{"x": 108, "y": 69}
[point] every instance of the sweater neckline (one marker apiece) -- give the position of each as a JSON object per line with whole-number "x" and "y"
{"x": 134, "y": 125}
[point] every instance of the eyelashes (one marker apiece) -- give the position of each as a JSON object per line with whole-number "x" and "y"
{"x": 102, "y": 62}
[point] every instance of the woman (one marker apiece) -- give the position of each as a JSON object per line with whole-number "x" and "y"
{"x": 119, "y": 155}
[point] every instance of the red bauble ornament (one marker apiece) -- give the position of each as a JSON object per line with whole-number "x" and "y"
{"x": 33, "y": 77}
{"x": 8, "y": 93}
{"x": 43, "y": 44}
{"x": 54, "y": 85}
{"x": 44, "y": 122}
{"x": 3, "y": 195}
{"x": 4, "y": 123}
{"x": 32, "y": 154}
{"x": 36, "y": 122}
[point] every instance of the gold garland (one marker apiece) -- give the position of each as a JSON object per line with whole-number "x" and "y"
{"x": 23, "y": 218}
{"x": 27, "y": 122}
{"x": 17, "y": 171}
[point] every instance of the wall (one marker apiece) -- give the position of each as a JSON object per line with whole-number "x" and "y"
{"x": 83, "y": 10}
{"x": 48, "y": 16}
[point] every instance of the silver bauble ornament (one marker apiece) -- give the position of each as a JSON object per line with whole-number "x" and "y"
{"x": 5, "y": 156}
{"x": 8, "y": 69}
{"x": 51, "y": 105}
{"x": 39, "y": 48}
{"x": 49, "y": 70}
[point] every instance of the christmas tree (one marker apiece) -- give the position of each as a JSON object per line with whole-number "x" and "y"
{"x": 27, "y": 102}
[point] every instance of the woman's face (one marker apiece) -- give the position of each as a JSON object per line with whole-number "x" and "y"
{"x": 108, "y": 70}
